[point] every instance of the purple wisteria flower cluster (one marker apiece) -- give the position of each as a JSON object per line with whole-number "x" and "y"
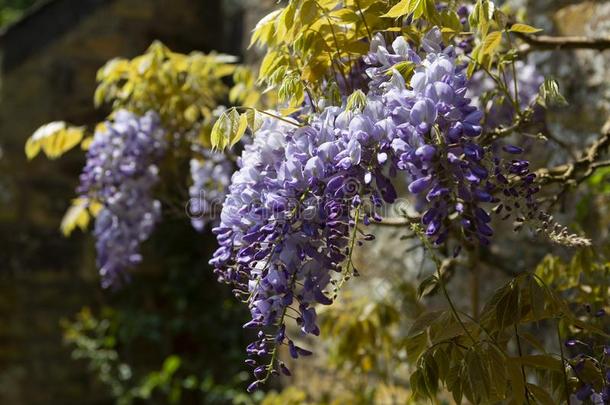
{"x": 120, "y": 173}
{"x": 435, "y": 142}
{"x": 285, "y": 224}
{"x": 289, "y": 223}
{"x": 211, "y": 177}
{"x": 590, "y": 364}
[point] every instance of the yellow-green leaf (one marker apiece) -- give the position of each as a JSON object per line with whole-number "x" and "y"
{"x": 54, "y": 139}
{"x": 264, "y": 28}
{"x": 76, "y": 216}
{"x": 517, "y": 383}
{"x": 309, "y": 12}
{"x": 255, "y": 120}
{"x": 241, "y": 129}
{"x": 542, "y": 397}
{"x": 228, "y": 129}
{"x": 400, "y": 9}
{"x": 491, "y": 43}
{"x": 356, "y": 101}
{"x": 524, "y": 29}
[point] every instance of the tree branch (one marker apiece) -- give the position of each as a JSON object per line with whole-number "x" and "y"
{"x": 572, "y": 174}
{"x": 550, "y": 43}
{"x": 582, "y": 168}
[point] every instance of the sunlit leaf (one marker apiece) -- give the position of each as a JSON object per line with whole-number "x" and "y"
{"x": 76, "y": 216}
{"x": 491, "y": 43}
{"x": 524, "y": 29}
{"x": 403, "y": 7}
{"x": 228, "y": 129}
{"x": 54, "y": 139}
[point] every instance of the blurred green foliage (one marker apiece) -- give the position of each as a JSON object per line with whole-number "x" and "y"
{"x": 11, "y": 10}
{"x": 173, "y": 335}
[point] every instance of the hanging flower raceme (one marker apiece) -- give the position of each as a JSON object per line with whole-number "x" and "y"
{"x": 438, "y": 144}
{"x": 285, "y": 224}
{"x": 120, "y": 173}
{"x": 211, "y": 177}
{"x": 436, "y": 140}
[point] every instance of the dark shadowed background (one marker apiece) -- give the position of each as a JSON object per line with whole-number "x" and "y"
{"x": 50, "y": 51}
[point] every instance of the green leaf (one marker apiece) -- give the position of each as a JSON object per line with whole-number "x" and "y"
{"x": 424, "y": 321}
{"x": 550, "y": 95}
{"x": 428, "y": 285}
{"x": 309, "y": 12}
{"x": 482, "y": 15}
{"x": 454, "y": 379}
{"x": 415, "y": 345}
{"x": 537, "y": 299}
{"x": 228, "y": 129}
{"x": 76, "y": 216}
{"x": 541, "y": 361}
{"x": 451, "y": 20}
{"x": 498, "y": 374}
{"x": 264, "y": 28}
{"x": 430, "y": 373}
{"x": 443, "y": 361}
{"x": 255, "y": 120}
{"x": 532, "y": 340}
{"x": 418, "y": 8}
{"x": 241, "y": 129}
{"x": 524, "y": 29}
{"x": 269, "y": 64}
{"x": 478, "y": 376}
{"x": 402, "y": 8}
{"x": 507, "y": 308}
{"x": 54, "y": 139}
{"x": 356, "y": 101}
{"x": 171, "y": 364}
{"x": 491, "y": 43}
{"x": 541, "y": 396}
{"x": 418, "y": 384}
{"x": 345, "y": 15}
{"x": 517, "y": 384}
{"x": 406, "y": 70}
{"x": 291, "y": 89}
{"x": 500, "y": 18}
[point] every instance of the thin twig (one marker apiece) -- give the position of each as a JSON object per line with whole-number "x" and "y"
{"x": 563, "y": 365}
{"x": 527, "y": 393}
{"x": 581, "y": 169}
{"x": 397, "y": 222}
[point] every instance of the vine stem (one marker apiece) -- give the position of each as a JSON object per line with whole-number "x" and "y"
{"x": 527, "y": 391}
{"x": 275, "y": 349}
{"x": 501, "y": 84}
{"x": 368, "y": 31}
{"x": 475, "y": 283}
{"x": 439, "y": 265}
{"x": 350, "y": 265}
{"x": 515, "y": 81}
{"x": 454, "y": 311}
{"x": 563, "y": 363}
{"x": 334, "y": 34}
{"x": 277, "y": 117}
